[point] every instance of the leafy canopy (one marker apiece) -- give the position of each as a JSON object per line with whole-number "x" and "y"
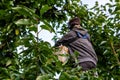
{"x": 24, "y": 56}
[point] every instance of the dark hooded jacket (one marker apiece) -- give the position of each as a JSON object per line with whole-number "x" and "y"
{"x": 82, "y": 46}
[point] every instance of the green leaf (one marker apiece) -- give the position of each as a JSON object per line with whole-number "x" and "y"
{"x": 2, "y": 13}
{"x": 42, "y": 77}
{"x": 33, "y": 28}
{"x": 27, "y": 12}
{"x": 118, "y": 11}
{"x": 74, "y": 78}
{"x": 23, "y": 22}
{"x": 8, "y": 62}
{"x": 103, "y": 42}
{"x": 44, "y": 9}
{"x": 64, "y": 76}
{"x": 47, "y": 26}
{"x": 17, "y": 8}
{"x": 117, "y": 0}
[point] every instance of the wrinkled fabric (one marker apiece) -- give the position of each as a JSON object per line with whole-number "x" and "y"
{"x": 82, "y": 46}
{"x": 87, "y": 65}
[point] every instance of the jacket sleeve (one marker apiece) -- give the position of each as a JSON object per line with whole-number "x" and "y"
{"x": 65, "y": 40}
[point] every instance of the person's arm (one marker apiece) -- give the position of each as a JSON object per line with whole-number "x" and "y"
{"x": 66, "y": 39}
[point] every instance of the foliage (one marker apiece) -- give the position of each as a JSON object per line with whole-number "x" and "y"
{"x": 24, "y": 56}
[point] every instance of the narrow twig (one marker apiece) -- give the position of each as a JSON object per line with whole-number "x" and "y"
{"x": 114, "y": 52}
{"x": 37, "y": 33}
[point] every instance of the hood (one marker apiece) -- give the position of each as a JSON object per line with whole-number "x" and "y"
{"x": 81, "y": 30}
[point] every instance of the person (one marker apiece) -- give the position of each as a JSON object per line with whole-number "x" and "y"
{"x": 87, "y": 57}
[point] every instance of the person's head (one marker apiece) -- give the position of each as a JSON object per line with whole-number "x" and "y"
{"x": 73, "y": 22}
